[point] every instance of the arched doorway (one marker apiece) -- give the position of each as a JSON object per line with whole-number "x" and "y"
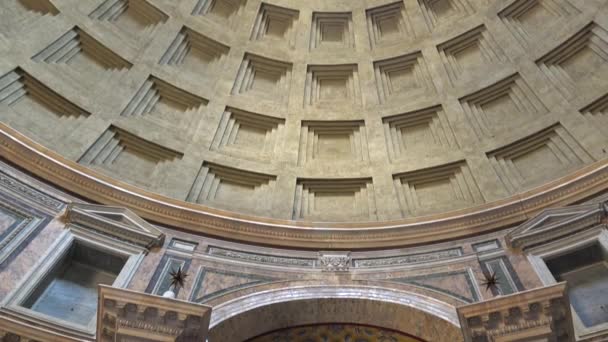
{"x": 335, "y": 332}
{"x": 298, "y": 305}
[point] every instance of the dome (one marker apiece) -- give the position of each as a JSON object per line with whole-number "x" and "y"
{"x": 303, "y": 170}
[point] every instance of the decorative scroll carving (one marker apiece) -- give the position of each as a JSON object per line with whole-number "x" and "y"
{"x": 30, "y": 193}
{"x": 118, "y": 222}
{"x": 539, "y": 314}
{"x": 124, "y": 315}
{"x": 334, "y": 261}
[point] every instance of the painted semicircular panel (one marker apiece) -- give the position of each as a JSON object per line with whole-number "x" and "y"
{"x": 335, "y": 332}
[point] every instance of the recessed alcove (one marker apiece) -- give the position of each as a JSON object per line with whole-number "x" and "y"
{"x": 69, "y": 290}
{"x": 586, "y": 271}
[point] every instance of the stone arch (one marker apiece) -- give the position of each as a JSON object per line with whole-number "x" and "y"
{"x": 288, "y": 304}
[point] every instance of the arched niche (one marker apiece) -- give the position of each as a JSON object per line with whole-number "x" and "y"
{"x": 291, "y": 304}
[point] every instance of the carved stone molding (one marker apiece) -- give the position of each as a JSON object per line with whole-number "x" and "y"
{"x": 541, "y": 314}
{"x": 14, "y": 330}
{"x": 557, "y": 223}
{"x": 334, "y": 261}
{"x": 198, "y": 218}
{"x": 123, "y": 315}
{"x": 119, "y": 222}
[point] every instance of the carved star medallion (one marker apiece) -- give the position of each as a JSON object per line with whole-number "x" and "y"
{"x": 490, "y": 281}
{"x": 178, "y": 278}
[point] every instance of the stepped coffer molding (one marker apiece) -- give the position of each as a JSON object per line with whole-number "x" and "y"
{"x": 18, "y": 89}
{"x": 333, "y": 140}
{"x": 164, "y": 101}
{"x": 193, "y": 51}
{"x": 263, "y": 78}
{"x": 468, "y": 51}
{"x": 388, "y": 24}
{"x": 77, "y": 42}
{"x": 421, "y": 128}
{"x": 527, "y": 20}
{"x": 443, "y": 187}
{"x": 231, "y": 187}
{"x": 597, "y": 111}
{"x": 402, "y": 76}
{"x": 130, "y": 15}
{"x": 128, "y": 155}
{"x": 500, "y": 105}
{"x": 437, "y": 12}
{"x": 241, "y": 132}
{"x": 329, "y": 84}
{"x": 539, "y": 157}
{"x": 333, "y": 30}
{"x": 274, "y": 22}
{"x": 334, "y": 199}
{"x": 220, "y": 11}
{"x": 577, "y": 60}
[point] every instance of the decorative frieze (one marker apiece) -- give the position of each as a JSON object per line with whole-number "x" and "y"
{"x": 407, "y": 259}
{"x": 259, "y": 258}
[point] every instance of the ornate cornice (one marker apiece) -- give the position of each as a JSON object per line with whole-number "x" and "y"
{"x": 567, "y": 221}
{"x": 123, "y": 313}
{"x": 542, "y": 313}
{"x": 125, "y": 226}
{"x": 97, "y": 187}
